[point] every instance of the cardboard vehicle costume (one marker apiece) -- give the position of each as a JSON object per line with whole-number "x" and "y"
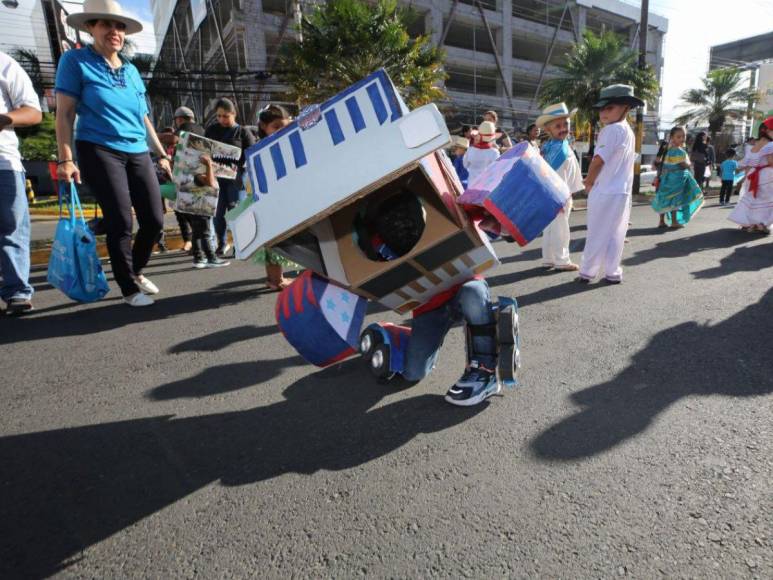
{"x": 313, "y": 180}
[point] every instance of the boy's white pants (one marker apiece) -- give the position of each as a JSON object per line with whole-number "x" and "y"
{"x": 555, "y": 239}
{"x": 607, "y": 224}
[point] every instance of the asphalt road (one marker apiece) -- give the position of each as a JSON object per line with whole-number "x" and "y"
{"x": 188, "y": 439}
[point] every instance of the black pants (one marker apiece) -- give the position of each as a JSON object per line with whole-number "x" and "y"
{"x": 202, "y": 249}
{"x": 226, "y": 201}
{"x": 699, "y": 170}
{"x": 183, "y": 220}
{"x": 726, "y": 191}
{"x": 121, "y": 181}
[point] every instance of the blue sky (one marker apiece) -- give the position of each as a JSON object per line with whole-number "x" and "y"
{"x": 140, "y": 7}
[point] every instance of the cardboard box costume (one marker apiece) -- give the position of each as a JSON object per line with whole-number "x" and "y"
{"x": 311, "y": 181}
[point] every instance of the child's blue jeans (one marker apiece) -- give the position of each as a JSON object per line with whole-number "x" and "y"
{"x": 471, "y": 304}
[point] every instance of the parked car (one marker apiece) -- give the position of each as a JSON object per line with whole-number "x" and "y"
{"x": 647, "y": 175}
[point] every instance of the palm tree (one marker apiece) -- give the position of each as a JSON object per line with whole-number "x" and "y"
{"x": 723, "y": 96}
{"x": 598, "y": 61}
{"x": 346, "y": 40}
{"x": 31, "y": 64}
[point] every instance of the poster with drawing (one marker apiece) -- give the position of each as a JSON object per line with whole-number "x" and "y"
{"x": 197, "y": 163}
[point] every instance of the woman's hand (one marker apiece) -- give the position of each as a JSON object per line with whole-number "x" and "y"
{"x": 166, "y": 166}
{"x": 68, "y": 172}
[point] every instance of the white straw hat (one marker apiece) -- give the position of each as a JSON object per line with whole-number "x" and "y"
{"x": 487, "y": 131}
{"x": 553, "y": 112}
{"x": 103, "y": 10}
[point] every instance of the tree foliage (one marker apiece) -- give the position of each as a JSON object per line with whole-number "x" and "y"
{"x": 590, "y": 65}
{"x": 38, "y": 143}
{"x": 346, "y": 40}
{"x": 724, "y": 96}
{"x": 29, "y": 61}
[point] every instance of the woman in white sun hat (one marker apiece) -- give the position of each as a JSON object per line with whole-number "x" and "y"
{"x": 111, "y": 139}
{"x": 483, "y": 151}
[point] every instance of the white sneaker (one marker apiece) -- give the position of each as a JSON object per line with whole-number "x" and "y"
{"x": 138, "y": 299}
{"x": 146, "y": 285}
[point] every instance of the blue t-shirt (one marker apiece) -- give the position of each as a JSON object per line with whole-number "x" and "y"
{"x": 111, "y": 105}
{"x": 728, "y": 169}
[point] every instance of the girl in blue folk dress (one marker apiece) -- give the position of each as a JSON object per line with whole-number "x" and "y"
{"x": 678, "y": 197}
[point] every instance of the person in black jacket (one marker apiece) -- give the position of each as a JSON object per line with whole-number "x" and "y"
{"x": 228, "y": 131}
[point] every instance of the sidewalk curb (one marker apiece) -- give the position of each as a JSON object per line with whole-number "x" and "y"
{"x": 40, "y": 255}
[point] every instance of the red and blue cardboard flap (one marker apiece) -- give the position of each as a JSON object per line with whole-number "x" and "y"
{"x": 521, "y": 191}
{"x": 321, "y": 320}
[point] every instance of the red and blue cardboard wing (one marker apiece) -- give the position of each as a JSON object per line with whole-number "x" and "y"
{"x": 521, "y": 191}
{"x": 320, "y": 320}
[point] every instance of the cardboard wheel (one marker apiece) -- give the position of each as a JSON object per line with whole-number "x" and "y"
{"x": 507, "y": 364}
{"x": 378, "y": 362}
{"x": 368, "y": 341}
{"x": 507, "y": 325}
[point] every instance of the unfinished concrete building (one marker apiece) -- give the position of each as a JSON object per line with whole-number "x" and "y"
{"x": 499, "y": 52}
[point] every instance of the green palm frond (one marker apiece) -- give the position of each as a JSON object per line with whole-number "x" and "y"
{"x": 723, "y": 96}
{"x": 590, "y": 65}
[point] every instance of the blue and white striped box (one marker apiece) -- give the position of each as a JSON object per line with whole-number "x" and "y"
{"x": 363, "y": 136}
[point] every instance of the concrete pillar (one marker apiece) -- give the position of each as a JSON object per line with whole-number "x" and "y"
{"x": 582, "y": 16}
{"x": 254, "y": 35}
{"x": 434, "y": 20}
{"x": 506, "y": 44}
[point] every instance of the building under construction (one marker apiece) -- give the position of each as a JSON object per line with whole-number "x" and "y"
{"x": 499, "y": 52}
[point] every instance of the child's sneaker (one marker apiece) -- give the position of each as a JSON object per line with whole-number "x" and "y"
{"x": 216, "y": 263}
{"x": 475, "y": 386}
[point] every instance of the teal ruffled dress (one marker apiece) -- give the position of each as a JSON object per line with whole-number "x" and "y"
{"x": 678, "y": 191}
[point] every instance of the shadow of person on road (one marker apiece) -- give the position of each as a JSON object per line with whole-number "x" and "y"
{"x": 112, "y": 313}
{"x": 217, "y": 380}
{"x": 222, "y": 339}
{"x": 653, "y": 231}
{"x": 67, "y": 489}
{"x": 688, "y": 359}
{"x": 684, "y": 246}
{"x": 569, "y": 288}
{"x": 743, "y": 259}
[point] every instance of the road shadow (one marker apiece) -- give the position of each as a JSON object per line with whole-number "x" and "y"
{"x": 568, "y": 288}
{"x": 515, "y": 277}
{"x": 684, "y": 246}
{"x": 525, "y": 256}
{"x": 743, "y": 259}
{"x": 222, "y": 339}
{"x": 653, "y": 231}
{"x": 112, "y": 313}
{"x": 686, "y": 360}
{"x": 67, "y": 489}
{"x": 221, "y": 379}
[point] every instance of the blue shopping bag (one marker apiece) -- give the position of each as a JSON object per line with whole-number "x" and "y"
{"x": 74, "y": 266}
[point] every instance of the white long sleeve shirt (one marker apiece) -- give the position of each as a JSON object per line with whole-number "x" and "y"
{"x": 477, "y": 160}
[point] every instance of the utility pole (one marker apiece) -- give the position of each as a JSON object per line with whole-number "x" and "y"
{"x": 643, "y": 33}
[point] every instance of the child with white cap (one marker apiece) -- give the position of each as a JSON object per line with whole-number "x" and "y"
{"x": 556, "y": 151}
{"x": 483, "y": 151}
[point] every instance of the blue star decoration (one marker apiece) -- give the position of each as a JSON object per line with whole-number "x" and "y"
{"x": 344, "y": 298}
{"x": 331, "y": 305}
{"x": 345, "y": 317}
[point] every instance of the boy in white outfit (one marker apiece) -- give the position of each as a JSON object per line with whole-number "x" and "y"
{"x": 556, "y": 151}
{"x": 608, "y": 183}
{"x": 483, "y": 151}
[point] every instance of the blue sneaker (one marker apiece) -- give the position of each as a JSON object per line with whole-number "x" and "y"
{"x": 475, "y": 386}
